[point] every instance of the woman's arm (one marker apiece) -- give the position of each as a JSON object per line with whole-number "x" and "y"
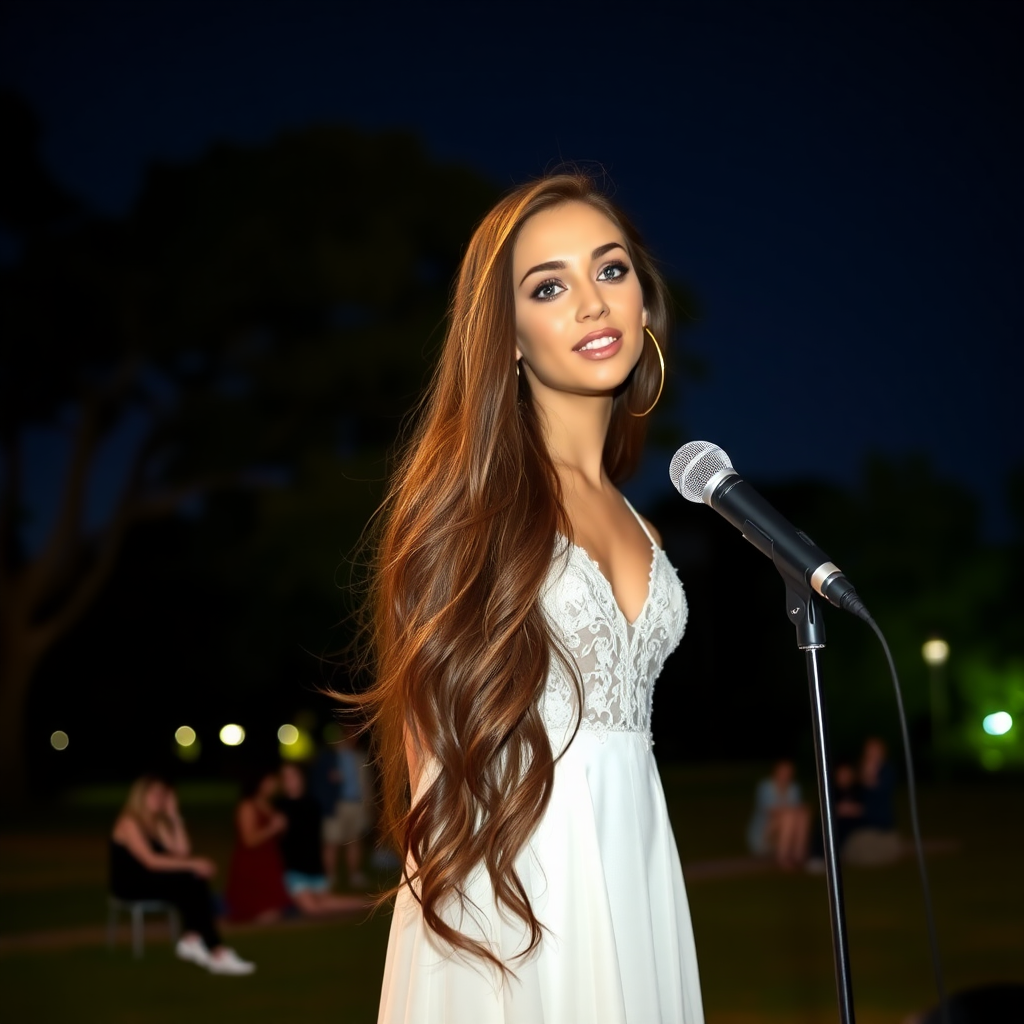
{"x": 251, "y": 831}
{"x": 171, "y": 831}
{"x": 128, "y": 833}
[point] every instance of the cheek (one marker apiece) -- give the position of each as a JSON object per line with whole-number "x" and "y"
{"x": 631, "y": 298}
{"x": 539, "y": 328}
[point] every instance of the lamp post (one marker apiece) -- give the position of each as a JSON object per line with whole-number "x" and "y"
{"x": 936, "y": 653}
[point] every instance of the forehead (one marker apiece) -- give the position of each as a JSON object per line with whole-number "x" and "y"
{"x": 570, "y": 231}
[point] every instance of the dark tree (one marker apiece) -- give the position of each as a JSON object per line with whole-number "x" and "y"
{"x": 260, "y": 318}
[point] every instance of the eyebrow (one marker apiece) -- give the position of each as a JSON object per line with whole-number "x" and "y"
{"x": 560, "y": 264}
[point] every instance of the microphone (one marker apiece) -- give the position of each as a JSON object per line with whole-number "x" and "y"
{"x": 702, "y": 472}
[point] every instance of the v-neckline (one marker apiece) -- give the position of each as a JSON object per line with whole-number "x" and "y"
{"x": 608, "y": 583}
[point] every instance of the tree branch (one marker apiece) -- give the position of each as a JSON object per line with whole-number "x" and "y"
{"x": 83, "y": 595}
{"x": 10, "y": 505}
{"x": 132, "y": 508}
{"x": 156, "y": 505}
{"x": 41, "y": 574}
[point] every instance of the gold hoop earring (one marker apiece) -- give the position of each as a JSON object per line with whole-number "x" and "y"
{"x": 661, "y": 386}
{"x": 517, "y": 368}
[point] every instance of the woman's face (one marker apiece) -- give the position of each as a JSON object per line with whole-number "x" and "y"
{"x": 156, "y": 798}
{"x": 579, "y": 308}
{"x": 292, "y": 783}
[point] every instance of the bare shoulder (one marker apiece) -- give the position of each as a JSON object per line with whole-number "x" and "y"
{"x": 127, "y": 832}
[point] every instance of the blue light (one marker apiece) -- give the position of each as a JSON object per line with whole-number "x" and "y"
{"x": 997, "y": 723}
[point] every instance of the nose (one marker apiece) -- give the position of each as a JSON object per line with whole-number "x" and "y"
{"x": 591, "y": 304}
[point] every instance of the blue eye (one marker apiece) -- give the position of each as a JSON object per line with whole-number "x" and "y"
{"x": 547, "y": 290}
{"x": 613, "y": 272}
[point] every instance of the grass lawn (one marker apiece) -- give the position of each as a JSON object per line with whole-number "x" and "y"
{"x": 763, "y": 939}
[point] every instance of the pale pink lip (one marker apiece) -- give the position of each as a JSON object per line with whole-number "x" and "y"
{"x": 606, "y": 351}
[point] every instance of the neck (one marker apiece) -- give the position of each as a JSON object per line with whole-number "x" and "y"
{"x": 575, "y": 428}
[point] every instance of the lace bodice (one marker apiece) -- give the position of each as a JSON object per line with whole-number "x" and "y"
{"x": 618, "y": 661}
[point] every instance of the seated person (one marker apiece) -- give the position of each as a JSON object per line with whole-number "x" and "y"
{"x": 877, "y": 785}
{"x": 847, "y": 803}
{"x": 875, "y": 840}
{"x": 304, "y": 875}
{"x": 847, "y": 814}
{"x": 151, "y": 859}
{"x": 780, "y": 826}
{"x": 255, "y": 889}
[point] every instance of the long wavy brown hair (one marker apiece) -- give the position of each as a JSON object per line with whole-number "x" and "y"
{"x": 459, "y": 646}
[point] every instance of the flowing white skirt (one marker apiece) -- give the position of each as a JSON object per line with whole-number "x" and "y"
{"x": 604, "y": 879}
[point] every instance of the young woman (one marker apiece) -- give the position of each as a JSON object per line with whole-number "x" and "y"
{"x": 781, "y": 822}
{"x": 255, "y": 889}
{"x": 151, "y": 859}
{"x": 521, "y": 611}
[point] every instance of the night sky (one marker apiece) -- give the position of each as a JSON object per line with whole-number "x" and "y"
{"x": 838, "y": 183}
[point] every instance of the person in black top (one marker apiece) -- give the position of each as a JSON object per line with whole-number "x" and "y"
{"x": 301, "y": 848}
{"x": 151, "y": 859}
{"x": 878, "y": 786}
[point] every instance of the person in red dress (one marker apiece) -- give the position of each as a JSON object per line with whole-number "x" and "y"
{"x": 255, "y": 890}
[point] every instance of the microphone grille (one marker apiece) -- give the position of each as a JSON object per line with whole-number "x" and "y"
{"x": 694, "y": 465}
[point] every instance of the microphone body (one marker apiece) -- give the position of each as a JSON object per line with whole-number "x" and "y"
{"x": 702, "y": 472}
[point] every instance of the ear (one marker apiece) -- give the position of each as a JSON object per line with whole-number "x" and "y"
{"x": 519, "y": 354}
{"x": 645, "y": 317}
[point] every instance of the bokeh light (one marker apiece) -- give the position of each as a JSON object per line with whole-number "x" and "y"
{"x": 232, "y": 735}
{"x": 59, "y": 740}
{"x": 296, "y": 743}
{"x": 997, "y": 724}
{"x": 992, "y": 760}
{"x": 935, "y": 651}
{"x": 185, "y": 735}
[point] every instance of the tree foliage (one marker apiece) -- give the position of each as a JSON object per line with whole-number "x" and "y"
{"x": 259, "y": 317}
{"x": 911, "y": 542}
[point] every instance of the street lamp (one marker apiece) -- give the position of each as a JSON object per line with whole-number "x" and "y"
{"x": 936, "y": 653}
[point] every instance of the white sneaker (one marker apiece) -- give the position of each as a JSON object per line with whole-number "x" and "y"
{"x": 227, "y": 961}
{"x": 193, "y": 949}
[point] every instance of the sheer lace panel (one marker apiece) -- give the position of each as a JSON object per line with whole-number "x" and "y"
{"x": 618, "y": 661}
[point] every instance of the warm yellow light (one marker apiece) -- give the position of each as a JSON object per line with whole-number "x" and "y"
{"x": 232, "y": 735}
{"x": 301, "y": 747}
{"x": 189, "y": 753}
{"x": 935, "y": 652}
{"x": 185, "y": 735}
{"x": 59, "y": 740}
{"x": 288, "y": 735}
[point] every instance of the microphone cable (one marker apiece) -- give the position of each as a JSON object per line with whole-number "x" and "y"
{"x": 915, "y": 828}
{"x": 696, "y": 470}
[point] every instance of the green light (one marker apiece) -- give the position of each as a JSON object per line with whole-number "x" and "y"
{"x": 992, "y": 760}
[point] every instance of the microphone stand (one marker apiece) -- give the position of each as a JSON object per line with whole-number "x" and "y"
{"x": 804, "y": 612}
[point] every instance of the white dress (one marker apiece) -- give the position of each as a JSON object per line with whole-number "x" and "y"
{"x": 602, "y": 868}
